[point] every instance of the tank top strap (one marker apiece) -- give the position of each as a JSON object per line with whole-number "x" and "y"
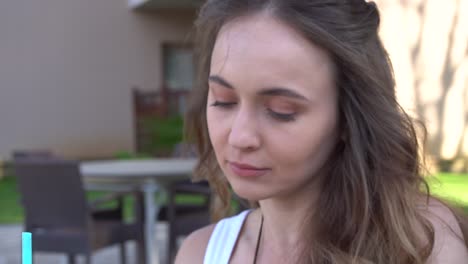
{"x": 224, "y": 238}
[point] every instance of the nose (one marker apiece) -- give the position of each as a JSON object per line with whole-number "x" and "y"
{"x": 244, "y": 134}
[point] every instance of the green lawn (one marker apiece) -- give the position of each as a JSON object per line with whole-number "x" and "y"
{"x": 10, "y": 210}
{"x": 452, "y": 187}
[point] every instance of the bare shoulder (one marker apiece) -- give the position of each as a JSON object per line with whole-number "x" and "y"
{"x": 449, "y": 244}
{"x": 194, "y": 246}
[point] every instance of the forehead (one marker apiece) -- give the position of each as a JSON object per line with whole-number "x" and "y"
{"x": 261, "y": 48}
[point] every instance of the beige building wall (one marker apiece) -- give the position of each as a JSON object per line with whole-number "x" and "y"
{"x": 67, "y": 67}
{"x": 428, "y": 43}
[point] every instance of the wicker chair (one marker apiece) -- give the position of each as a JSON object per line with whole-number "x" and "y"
{"x": 61, "y": 219}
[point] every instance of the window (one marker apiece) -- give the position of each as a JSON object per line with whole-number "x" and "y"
{"x": 178, "y": 76}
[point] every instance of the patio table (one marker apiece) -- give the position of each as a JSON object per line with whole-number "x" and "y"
{"x": 151, "y": 176}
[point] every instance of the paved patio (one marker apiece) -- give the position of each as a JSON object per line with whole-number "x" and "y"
{"x": 10, "y": 249}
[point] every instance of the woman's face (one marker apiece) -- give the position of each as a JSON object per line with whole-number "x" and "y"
{"x": 272, "y": 107}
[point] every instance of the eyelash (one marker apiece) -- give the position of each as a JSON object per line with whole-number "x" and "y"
{"x": 223, "y": 104}
{"x": 275, "y": 115}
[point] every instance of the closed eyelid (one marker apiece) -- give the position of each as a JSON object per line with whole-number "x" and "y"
{"x": 281, "y": 106}
{"x": 222, "y": 94}
{"x": 287, "y": 104}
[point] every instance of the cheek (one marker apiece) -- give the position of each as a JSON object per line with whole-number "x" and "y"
{"x": 212, "y": 128}
{"x": 216, "y": 129}
{"x": 309, "y": 146}
{"x": 211, "y": 122}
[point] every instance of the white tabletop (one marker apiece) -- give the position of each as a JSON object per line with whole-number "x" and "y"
{"x": 137, "y": 168}
{"x": 148, "y": 175}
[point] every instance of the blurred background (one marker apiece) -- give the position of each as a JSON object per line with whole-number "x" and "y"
{"x": 74, "y": 74}
{"x": 109, "y": 79}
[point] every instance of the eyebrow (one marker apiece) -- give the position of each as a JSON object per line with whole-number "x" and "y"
{"x": 271, "y": 91}
{"x": 217, "y": 79}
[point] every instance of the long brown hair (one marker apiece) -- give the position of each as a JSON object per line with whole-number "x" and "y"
{"x": 367, "y": 211}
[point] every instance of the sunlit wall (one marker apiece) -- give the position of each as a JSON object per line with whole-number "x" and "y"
{"x": 428, "y": 44}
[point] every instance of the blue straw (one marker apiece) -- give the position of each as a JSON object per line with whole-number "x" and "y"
{"x": 27, "y": 247}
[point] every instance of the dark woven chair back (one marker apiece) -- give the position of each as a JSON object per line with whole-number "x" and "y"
{"x": 52, "y": 193}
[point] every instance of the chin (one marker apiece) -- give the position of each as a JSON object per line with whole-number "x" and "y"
{"x": 249, "y": 193}
{"x": 246, "y": 189}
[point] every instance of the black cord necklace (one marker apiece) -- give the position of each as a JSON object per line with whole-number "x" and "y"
{"x": 258, "y": 241}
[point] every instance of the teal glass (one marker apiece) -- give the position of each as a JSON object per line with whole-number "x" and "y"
{"x": 27, "y": 247}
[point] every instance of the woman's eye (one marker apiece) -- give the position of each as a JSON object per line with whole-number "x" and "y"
{"x": 282, "y": 116}
{"x": 223, "y": 104}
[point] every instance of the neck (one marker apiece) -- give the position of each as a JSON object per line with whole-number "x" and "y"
{"x": 284, "y": 220}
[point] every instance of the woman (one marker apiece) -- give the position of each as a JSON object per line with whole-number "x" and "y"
{"x": 296, "y": 111}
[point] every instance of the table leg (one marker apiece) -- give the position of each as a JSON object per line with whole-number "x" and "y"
{"x": 151, "y": 209}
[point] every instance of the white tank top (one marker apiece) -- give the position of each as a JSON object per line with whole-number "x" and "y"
{"x": 224, "y": 238}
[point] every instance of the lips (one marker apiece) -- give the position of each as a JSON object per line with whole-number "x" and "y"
{"x": 247, "y": 170}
